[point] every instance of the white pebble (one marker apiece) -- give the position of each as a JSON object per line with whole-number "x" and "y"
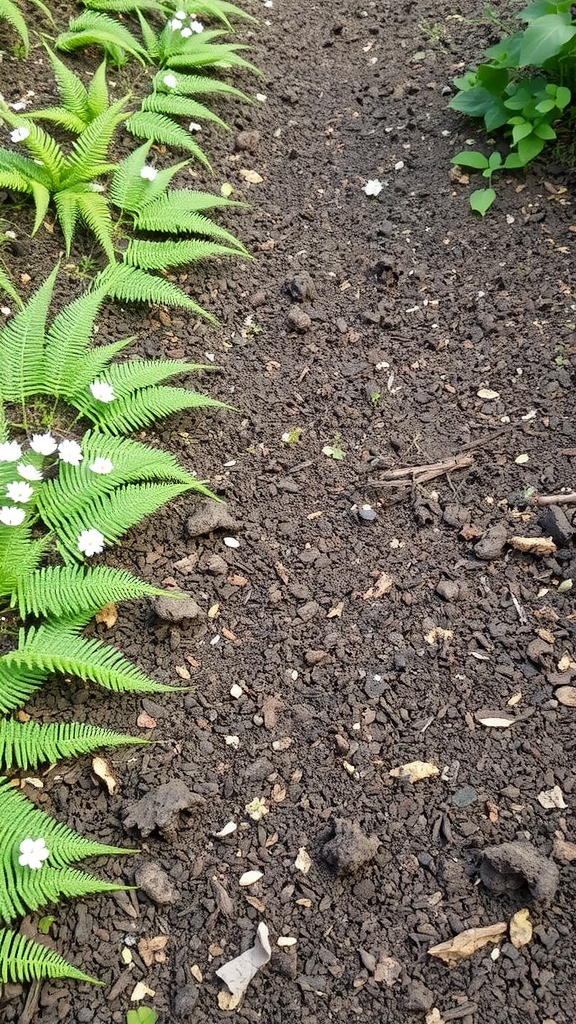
{"x": 249, "y": 878}
{"x": 228, "y": 829}
{"x": 232, "y": 741}
{"x": 231, "y": 542}
{"x": 286, "y": 940}
{"x": 236, "y": 691}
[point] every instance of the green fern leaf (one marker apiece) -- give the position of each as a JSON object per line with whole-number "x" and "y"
{"x": 90, "y": 149}
{"x": 210, "y": 55}
{"x": 135, "y": 374}
{"x": 180, "y": 106}
{"x": 22, "y": 346}
{"x": 80, "y": 375}
{"x": 8, "y": 288}
{"x": 60, "y": 591}
{"x": 221, "y": 10}
{"x": 95, "y": 29}
{"x": 169, "y": 220}
{"x": 68, "y": 341}
{"x": 192, "y": 85}
{"x": 125, "y": 6}
{"x": 19, "y": 556}
{"x": 147, "y": 125}
{"x": 11, "y": 13}
{"x": 14, "y": 182}
{"x": 127, "y": 187}
{"x": 22, "y": 960}
{"x": 97, "y": 95}
{"x": 94, "y": 210}
{"x": 67, "y": 212}
{"x": 160, "y": 255}
{"x": 152, "y": 404}
{"x": 41, "y": 202}
{"x": 51, "y": 648}
{"x": 23, "y": 166}
{"x": 24, "y": 746}
{"x": 149, "y": 38}
{"x": 130, "y": 284}
{"x": 71, "y": 88}
{"x": 185, "y": 201}
{"x": 41, "y": 146}
{"x": 60, "y": 116}
{"x": 18, "y": 685}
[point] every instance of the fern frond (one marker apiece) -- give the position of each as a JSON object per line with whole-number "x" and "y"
{"x": 11, "y": 13}
{"x": 71, "y": 88}
{"x": 172, "y": 220}
{"x": 185, "y": 201}
{"x": 14, "y": 182}
{"x": 68, "y": 341}
{"x": 22, "y": 346}
{"x": 135, "y": 374}
{"x": 147, "y": 125}
{"x": 19, "y": 556}
{"x": 60, "y": 116}
{"x": 41, "y": 197}
{"x": 95, "y": 29}
{"x": 50, "y": 649}
{"x": 83, "y": 372}
{"x": 22, "y": 960}
{"x": 18, "y": 685}
{"x": 150, "y": 39}
{"x": 151, "y": 404}
{"x": 127, "y": 187}
{"x": 67, "y": 212}
{"x": 8, "y": 288}
{"x": 60, "y": 591}
{"x": 90, "y": 149}
{"x": 23, "y": 166}
{"x": 130, "y": 284}
{"x": 192, "y": 85}
{"x": 180, "y": 106}
{"x": 94, "y": 210}
{"x": 160, "y": 255}
{"x": 211, "y": 55}
{"x": 124, "y": 6}
{"x": 41, "y": 146}
{"x": 26, "y": 745}
{"x": 222, "y": 11}
{"x": 97, "y": 93}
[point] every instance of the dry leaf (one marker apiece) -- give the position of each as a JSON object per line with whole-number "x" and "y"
{"x": 336, "y": 611}
{"x": 550, "y": 798}
{"x": 108, "y": 615}
{"x": 22, "y": 716}
{"x": 495, "y": 719}
{"x": 250, "y": 176}
{"x": 388, "y": 970}
{"x": 250, "y": 878}
{"x": 152, "y": 950}
{"x": 383, "y": 586}
{"x": 487, "y": 394}
{"x": 228, "y": 829}
{"x": 543, "y": 546}
{"x": 182, "y": 671}
{"x": 278, "y": 794}
{"x": 566, "y": 695}
{"x": 303, "y": 862}
{"x": 145, "y": 721}
{"x": 140, "y": 991}
{"x": 126, "y": 955}
{"x": 197, "y": 973}
{"x": 213, "y": 610}
{"x": 238, "y": 973}
{"x": 434, "y": 1016}
{"x": 438, "y": 634}
{"x": 255, "y": 902}
{"x": 467, "y": 942}
{"x": 520, "y": 928}
{"x": 414, "y": 771}
{"x": 102, "y": 769}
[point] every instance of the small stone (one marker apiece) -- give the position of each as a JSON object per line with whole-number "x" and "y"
{"x": 236, "y": 691}
{"x": 316, "y": 657}
{"x": 554, "y": 523}
{"x": 259, "y": 770}
{"x": 341, "y": 744}
{"x": 448, "y": 589}
{"x": 366, "y": 515}
{"x": 248, "y": 141}
{"x": 185, "y": 1001}
{"x": 508, "y": 867}
{"x": 216, "y": 565}
{"x": 231, "y": 542}
{"x": 374, "y": 686}
{"x": 349, "y": 849}
{"x": 492, "y": 543}
{"x": 211, "y": 515}
{"x": 153, "y": 880}
{"x": 301, "y": 287}
{"x": 455, "y": 515}
{"x": 464, "y": 797}
{"x": 298, "y": 320}
{"x": 178, "y": 608}
{"x": 418, "y": 998}
{"x": 308, "y": 611}
{"x": 161, "y": 808}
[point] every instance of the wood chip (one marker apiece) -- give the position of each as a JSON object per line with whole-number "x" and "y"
{"x": 383, "y": 586}
{"x": 495, "y": 720}
{"x": 541, "y": 546}
{"x": 303, "y": 861}
{"x": 102, "y": 769}
{"x": 415, "y": 771}
{"x": 467, "y": 943}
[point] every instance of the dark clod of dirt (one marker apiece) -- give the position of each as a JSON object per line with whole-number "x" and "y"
{"x": 211, "y": 515}
{"x": 161, "y": 808}
{"x": 349, "y": 849}
{"x": 448, "y": 589}
{"x": 248, "y": 141}
{"x": 177, "y": 609}
{"x": 301, "y": 287}
{"x": 510, "y": 866}
{"x": 554, "y": 523}
{"x": 491, "y": 544}
{"x": 154, "y": 881}
{"x": 418, "y": 998}
{"x": 298, "y": 320}
{"x": 185, "y": 1002}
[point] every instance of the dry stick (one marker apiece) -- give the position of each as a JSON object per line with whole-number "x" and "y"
{"x": 31, "y": 1005}
{"x": 411, "y": 476}
{"x": 569, "y": 498}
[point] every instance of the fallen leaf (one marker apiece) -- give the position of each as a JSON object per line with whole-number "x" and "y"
{"x": 434, "y": 1016}
{"x": 388, "y": 970}
{"x": 514, "y": 699}
{"x": 438, "y": 634}
{"x": 383, "y": 586}
{"x": 487, "y": 394}
{"x": 197, "y": 973}
{"x": 152, "y": 950}
{"x": 108, "y": 615}
{"x": 145, "y": 721}
{"x": 550, "y": 798}
{"x": 102, "y": 769}
{"x": 213, "y": 610}
{"x": 336, "y": 611}
{"x": 278, "y": 794}
{"x": 520, "y": 928}
{"x": 566, "y": 695}
{"x": 494, "y": 720}
{"x": 22, "y": 716}
{"x": 228, "y": 830}
{"x": 303, "y": 861}
{"x": 238, "y": 973}
{"x": 250, "y": 176}
{"x": 467, "y": 943}
{"x": 543, "y": 546}
{"x": 126, "y": 955}
{"x": 546, "y": 635}
{"x": 255, "y": 902}
{"x": 140, "y": 991}
{"x": 250, "y": 878}
{"x": 182, "y": 671}
{"x": 415, "y": 771}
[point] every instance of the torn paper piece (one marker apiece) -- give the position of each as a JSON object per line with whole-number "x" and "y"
{"x": 238, "y": 973}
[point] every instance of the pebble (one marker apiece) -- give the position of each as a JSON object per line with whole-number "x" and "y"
{"x": 417, "y": 997}
{"x": 554, "y": 523}
{"x": 298, "y": 320}
{"x": 448, "y": 589}
{"x": 492, "y": 543}
{"x": 153, "y": 880}
{"x": 231, "y": 542}
{"x": 185, "y": 1001}
{"x": 212, "y": 515}
{"x": 248, "y": 141}
{"x": 177, "y": 609}
{"x": 308, "y": 611}
{"x": 301, "y": 287}
{"x": 349, "y": 849}
{"x": 259, "y": 770}
{"x": 509, "y": 866}
{"x": 464, "y": 797}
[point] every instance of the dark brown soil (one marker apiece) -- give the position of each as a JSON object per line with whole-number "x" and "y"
{"x": 368, "y": 325}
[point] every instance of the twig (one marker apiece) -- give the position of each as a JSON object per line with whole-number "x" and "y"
{"x": 31, "y": 1005}
{"x": 568, "y": 498}
{"x": 412, "y": 476}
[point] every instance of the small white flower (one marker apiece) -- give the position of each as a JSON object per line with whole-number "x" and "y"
{"x": 175, "y": 24}
{"x": 373, "y": 187}
{"x": 268, "y": 3}
{"x": 169, "y": 81}
{"x": 102, "y": 391}
{"x": 91, "y": 542}
{"x": 11, "y": 516}
{"x": 148, "y": 172}
{"x": 101, "y": 465}
{"x": 43, "y": 444}
{"x": 260, "y": 97}
{"x": 5, "y": 310}
{"x": 33, "y": 853}
{"x": 196, "y": 26}
{"x": 194, "y": 127}
{"x": 19, "y": 492}
{"x": 10, "y": 451}
{"x": 19, "y": 134}
{"x": 10, "y": 234}
{"x": 186, "y": 33}
{"x": 95, "y": 186}
{"x": 19, "y": 105}
{"x": 28, "y": 472}
{"x": 71, "y": 452}
{"x": 180, "y": 14}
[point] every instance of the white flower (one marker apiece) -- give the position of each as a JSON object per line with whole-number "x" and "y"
{"x": 169, "y": 81}
{"x": 186, "y": 33}
{"x": 43, "y": 444}
{"x": 28, "y": 472}
{"x": 148, "y": 172}
{"x": 91, "y": 542}
{"x": 175, "y": 24}
{"x": 19, "y": 105}
{"x": 19, "y": 134}
{"x": 196, "y": 26}
{"x": 373, "y": 187}
{"x": 101, "y": 465}
{"x": 33, "y": 853}
{"x": 102, "y": 391}
{"x": 19, "y": 492}
{"x": 10, "y": 451}
{"x": 10, "y": 234}
{"x": 11, "y": 516}
{"x": 193, "y": 127}
{"x": 71, "y": 452}
{"x": 95, "y": 186}
{"x": 180, "y": 14}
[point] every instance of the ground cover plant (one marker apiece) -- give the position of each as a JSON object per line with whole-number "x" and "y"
{"x": 522, "y": 89}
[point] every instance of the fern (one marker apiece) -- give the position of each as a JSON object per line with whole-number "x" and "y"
{"x": 8, "y": 288}
{"x": 19, "y": 556}
{"x": 124, "y": 6}
{"x": 22, "y": 960}
{"x": 59, "y": 591}
{"x": 11, "y": 13}
{"x": 22, "y": 346}
{"x": 221, "y": 10}
{"x": 159, "y": 255}
{"x": 145, "y": 124}
{"x": 130, "y": 284}
{"x": 80, "y": 105}
{"x": 180, "y": 106}
{"x": 194, "y": 85}
{"x": 95, "y": 29}
{"x": 204, "y": 55}
{"x": 25, "y": 746}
